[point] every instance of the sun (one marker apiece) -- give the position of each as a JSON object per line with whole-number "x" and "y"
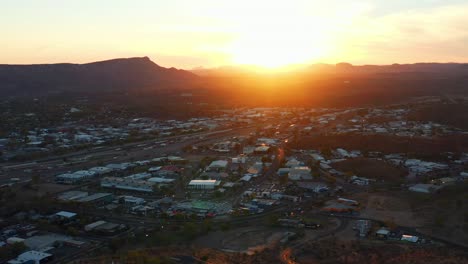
{"x": 278, "y": 38}
{"x": 273, "y": 51}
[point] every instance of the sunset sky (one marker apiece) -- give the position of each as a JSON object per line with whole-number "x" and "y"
{"x": 210, "y": 33}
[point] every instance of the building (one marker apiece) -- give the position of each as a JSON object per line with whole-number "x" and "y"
{"x": 139, "y": 176}
{"x": 93, "y": 225}
{"x": 203, "y": 184}
{"x": 97, "y": 199}
{"x": 74, "y": 178}
{"x": 283, "y": 171}
{"x": 127, "y": 184}
{"x": 65, "y": 215}
{"x": 262, "y": 150}
{"x": 31, "y": 257}
{"x": 359, "y": 180}
{"x": 382, "y": 233}
{"x": 101, "y": 170}
{"x": 72, "y": 195}
{"x": 217, "y": 165}
{"x": 300, "y": 173}
{"x": 46, "y": 241}
{"x": 293, "y": 163}
{"x": 160, "y": 180}
{"x": 409, "y": 238}
{"x": 363, "y": 227}
{"x": 84, "y": 197}
{"x": 424, "y": 188}
{"x": 131, "y": 200}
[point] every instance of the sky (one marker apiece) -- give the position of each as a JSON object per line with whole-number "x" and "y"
{"x": 211, "y": 33}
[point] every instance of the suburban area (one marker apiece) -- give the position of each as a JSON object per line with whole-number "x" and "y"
{"x": 237, "y": 185}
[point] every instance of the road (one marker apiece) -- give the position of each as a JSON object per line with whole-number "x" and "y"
{"x": 86, "y": 159}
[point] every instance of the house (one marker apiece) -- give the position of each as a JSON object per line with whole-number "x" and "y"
{"x": 246, "y": 178}
{"x": 31, "y": 257}
{"x": 359, "y": 180}
{"x": 65, "y": 215}
{"x": 382, "y": 233}
{"x": 409, "y": 238}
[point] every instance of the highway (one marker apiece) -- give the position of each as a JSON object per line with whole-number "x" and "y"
{"x": 85, "y": 159}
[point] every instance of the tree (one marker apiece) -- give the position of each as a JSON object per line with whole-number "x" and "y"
{"x": 237, "y": 148}
{"x": 283, "y": 179}
{"x": 225, "y": 226}
{"x": 326, "y": 152}
{"x": 189, "y": 230}
{"x": 35, "y": 179}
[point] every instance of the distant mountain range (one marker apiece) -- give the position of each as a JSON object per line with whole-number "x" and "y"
{"x": 341, "y": 68}
{"x": 303, "y": 84}
{"x": 116, "y": 74}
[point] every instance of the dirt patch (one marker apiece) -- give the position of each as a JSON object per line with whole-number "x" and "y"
{"x": 245, "y": 240}
{"x": 371, "y": 168}
{"x": 391, "y": 208}
{"x": 386, "y": 143}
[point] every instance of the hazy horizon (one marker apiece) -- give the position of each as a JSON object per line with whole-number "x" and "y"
{"x": 246, "y": 66}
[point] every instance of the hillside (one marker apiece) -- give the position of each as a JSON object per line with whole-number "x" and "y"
{"x": 116, "y": 74}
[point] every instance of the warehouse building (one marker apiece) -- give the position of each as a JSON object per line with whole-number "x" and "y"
{"x": 203, "y": 184}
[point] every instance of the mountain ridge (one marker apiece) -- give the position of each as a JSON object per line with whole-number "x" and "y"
{"x": 119, "y": 74}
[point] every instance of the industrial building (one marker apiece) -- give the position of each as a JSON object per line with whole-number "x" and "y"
{"x": 203, "y": 184}
{"x": 127, "y": 184}
{"x": 31, "y": 257}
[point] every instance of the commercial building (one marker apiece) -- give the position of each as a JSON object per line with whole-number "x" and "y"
{"x": 31, "y": 257}
{"x": 97, "y": 199}
{"x": 72, "y": 195}
{"x": 131, "y": 200}
{"x": 76, "y": 177}
{"x": 127, "y": 184}
{"x": 300, "y": 173}
{"x": 217, "y": 165}
{"x": 203, "y": 184}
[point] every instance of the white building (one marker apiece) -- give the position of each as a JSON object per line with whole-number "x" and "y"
{"x": 424, "y": 188}
{"x": 217, "y": 164}
{"x": 300, "y": 173}
{"x": 203, "y": 184}
{"x": 36, "y": 257}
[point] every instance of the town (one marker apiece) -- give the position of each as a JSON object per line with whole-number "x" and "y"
{"x": 242, "y": 180}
